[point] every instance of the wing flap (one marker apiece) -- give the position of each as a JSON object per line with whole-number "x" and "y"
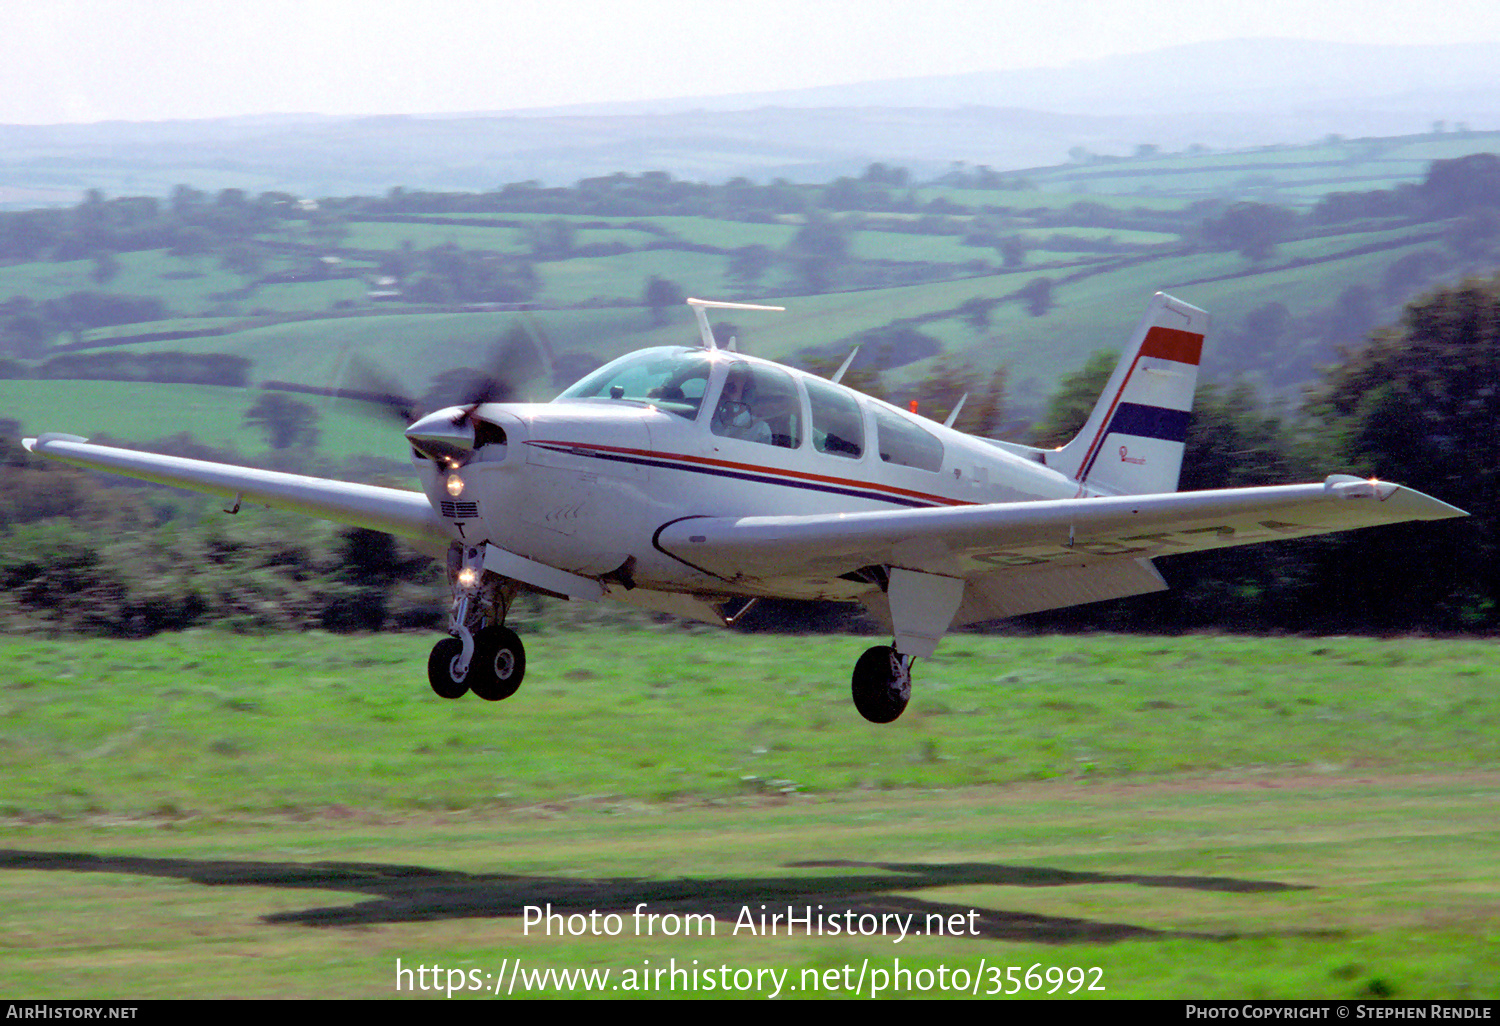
{"x": 391, "y": 510}
{"x": 1006, "y": 593}
{"x": 1054, "y": 534}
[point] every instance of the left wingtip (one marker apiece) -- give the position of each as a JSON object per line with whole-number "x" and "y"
{"x": 1421, "y": 506}
{"x": 1414, "y": 505}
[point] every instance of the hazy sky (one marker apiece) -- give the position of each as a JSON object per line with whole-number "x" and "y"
{"x": 92, "y": 60}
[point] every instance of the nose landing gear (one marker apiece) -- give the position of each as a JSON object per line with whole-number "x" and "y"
{"x": 882, "y": 684}
{"x": 483, "y": 656}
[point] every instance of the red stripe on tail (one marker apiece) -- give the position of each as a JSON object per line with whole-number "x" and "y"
{"x": 1173, "y": 344}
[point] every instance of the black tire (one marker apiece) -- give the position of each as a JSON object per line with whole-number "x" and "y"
{"x": 878, "y": 695}
{"x": 499, "y": 664}
{"x": 440, "y": 669}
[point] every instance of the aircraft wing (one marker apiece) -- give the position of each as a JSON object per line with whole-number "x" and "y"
{"x": 391, "y": 510}
{"x": 1055, "y": 537}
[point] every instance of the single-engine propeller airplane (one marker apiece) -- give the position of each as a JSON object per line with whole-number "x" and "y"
{"x": 696, "y": 480}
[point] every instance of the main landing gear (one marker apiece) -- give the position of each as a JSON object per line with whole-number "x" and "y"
{"x": 483, "y": 656}
{"x": 882, "y": 684}
{"x": 922, "y": 607}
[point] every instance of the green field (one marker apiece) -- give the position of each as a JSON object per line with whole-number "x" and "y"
{"x": 1292, "y": 174}
{"x": 207, "y": 814}
{"x": 293, "y": 323}
{"x": 1096, "y": 310}
{"x": 141, "y": 411}
{"x": 624, "y": 276}
{"x": 392, "y": 235}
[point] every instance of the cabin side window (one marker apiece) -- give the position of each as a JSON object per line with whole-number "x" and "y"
{"x": 906, "y": 443}
{"x": 838, "y": 425}
{"x": 759, "y": 404}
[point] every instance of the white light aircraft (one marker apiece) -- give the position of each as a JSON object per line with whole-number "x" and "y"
{"x": 695, "y": 480}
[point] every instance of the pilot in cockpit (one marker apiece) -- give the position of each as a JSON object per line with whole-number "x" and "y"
{"x": 735, "y": 416}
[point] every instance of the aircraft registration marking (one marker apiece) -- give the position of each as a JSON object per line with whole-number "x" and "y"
{"x": 1153, "y": 544}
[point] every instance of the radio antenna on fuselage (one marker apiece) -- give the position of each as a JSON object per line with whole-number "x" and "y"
{"x": 954, "y": 415}
{"x": 845, "y": 365}
{"x": 701, "y": 308}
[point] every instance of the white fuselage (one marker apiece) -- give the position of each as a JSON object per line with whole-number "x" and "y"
{"x": 585, "y": 484}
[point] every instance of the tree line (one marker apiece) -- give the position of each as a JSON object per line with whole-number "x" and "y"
{"x": 1418, "y": 403}
{"x": 163, "y": 366}
{"x": 192, "y": 222}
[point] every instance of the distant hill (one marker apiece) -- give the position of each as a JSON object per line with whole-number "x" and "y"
{"x": 1254, "y": 76}
{"x": 1215, "y": 95}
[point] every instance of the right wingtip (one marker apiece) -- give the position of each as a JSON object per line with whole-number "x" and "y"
{"x": 31, "y": 444}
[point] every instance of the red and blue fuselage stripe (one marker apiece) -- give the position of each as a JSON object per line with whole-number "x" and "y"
{"x": 753, "y": 472}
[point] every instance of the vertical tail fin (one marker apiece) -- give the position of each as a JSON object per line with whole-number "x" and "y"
{"x": 1132, "y": 443}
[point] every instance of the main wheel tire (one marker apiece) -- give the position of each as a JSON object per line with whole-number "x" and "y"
{"x": 880, "y": 694}
{"x": 499, "y": 664}
{"x": 440, "y": 669}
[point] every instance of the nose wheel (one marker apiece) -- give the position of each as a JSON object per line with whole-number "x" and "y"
{"x": 440, "y": 669}
{"x": 494, "y": 673}
{"x": 882, "y": 684}
{"x": 499, "y": 663}
{"x": 483, "y": 655}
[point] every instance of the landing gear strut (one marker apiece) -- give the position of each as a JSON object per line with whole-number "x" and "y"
{"x": 882, "y": 684}
{"x": 483, "y": 656}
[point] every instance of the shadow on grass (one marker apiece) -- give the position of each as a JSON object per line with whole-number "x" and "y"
{"x": 416, "y": 893}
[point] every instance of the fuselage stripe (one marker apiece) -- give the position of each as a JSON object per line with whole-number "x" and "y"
{"x": 753, "y": 472}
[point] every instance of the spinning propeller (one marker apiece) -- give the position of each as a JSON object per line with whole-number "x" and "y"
{"x": 522, "y": 354}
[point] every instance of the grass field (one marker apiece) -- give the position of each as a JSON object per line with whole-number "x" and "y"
{"x": 1098, "y": 300}
{"x": 212, "y": 815}
{"x": 1095, "y": 309}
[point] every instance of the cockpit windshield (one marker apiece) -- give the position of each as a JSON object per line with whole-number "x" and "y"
{"x": 673, "y": 380}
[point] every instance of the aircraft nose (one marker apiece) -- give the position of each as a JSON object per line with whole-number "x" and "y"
{"x": 455, "y": 435}
{"x": 446, "y": 436}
